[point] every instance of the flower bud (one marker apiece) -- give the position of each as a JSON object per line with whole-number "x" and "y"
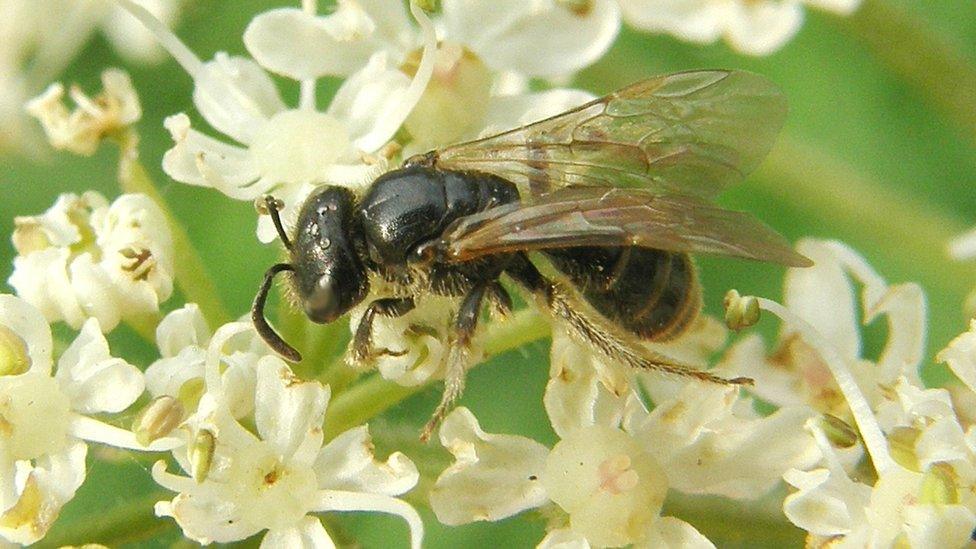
{"x": 201, "y": 454}
{"x": 939, "y": 485}
{"x": 14, "y": 358}
{"x": 158, "y": 419}
{"x": 740, "y": 311}
{"x": 839, "y": 433}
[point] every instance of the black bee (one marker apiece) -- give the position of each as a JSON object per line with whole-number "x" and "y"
{"x": 614, "y": 194}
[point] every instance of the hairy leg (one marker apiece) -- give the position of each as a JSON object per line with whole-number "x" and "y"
{"x": 464, "y": 326}
{"x": 565, "y": 306}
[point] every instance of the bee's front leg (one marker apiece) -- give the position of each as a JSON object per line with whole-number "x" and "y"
{"x": 362, "y": 350}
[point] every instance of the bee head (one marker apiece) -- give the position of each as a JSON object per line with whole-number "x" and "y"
{"x": 328, "y": 276}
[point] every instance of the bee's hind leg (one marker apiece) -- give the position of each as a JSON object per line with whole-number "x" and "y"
{"x": 613, "y": 344}
{"x": 465, "y": 324}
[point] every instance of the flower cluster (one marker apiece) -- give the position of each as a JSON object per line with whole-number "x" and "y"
{"x": 867, "y": 455}
{"x": 86, "y": 258}
{"x": 39, "y": 38}
{"x": 754, "y": 27}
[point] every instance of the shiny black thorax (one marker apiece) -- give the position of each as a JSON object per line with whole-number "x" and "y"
{"x": 341, "y": 240}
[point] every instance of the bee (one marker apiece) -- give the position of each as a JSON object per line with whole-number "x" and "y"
{"x": 614, "y": 194}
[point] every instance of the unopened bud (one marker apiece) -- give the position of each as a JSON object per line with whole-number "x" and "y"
{"x": 158, "y": 419}
{"x": 939, "y": 485}
{"x": 14, "y": 358}
{"x": 839, "y": 433}
{"x": 430, "y": 6}
{"x": 740, "y": 311}
{"x": 201, "y": 454}
{"x": 901, "y": 442}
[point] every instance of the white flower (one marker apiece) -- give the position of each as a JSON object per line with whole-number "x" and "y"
{"x": 39, "y": 38}
{"x": 823, "y": 296}
{"x": 755, "y": 27}
{"x": 94, "y": 118}
{"x": 277, "y": 148}
{"x": 84, "y": 258}
{"x": 609, "y": 488}
{"x": 289, "y": 151}
{"x": 185, "y": 342}
{"x": 275, "y": 478}
{"x": 905, "y": 474}
{"x": 43, "y": 417}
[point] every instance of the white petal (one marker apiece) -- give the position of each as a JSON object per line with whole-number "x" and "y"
{"x": 822, "y": 295}
{"x": 46, "y": 489}
{"x": 28, "y": 324}
{"x": 821, "y": 506}
{"x": 208, "y": 519}
{"x": 337, "y": 44}
{"x": 370, "y": 95}
{"x": 96, "y": 292}
{"x": 184, "y": 327}
{"x": 337, "y": 500}
{"x": 347, "y": 463}
{"x": 563, "y": 538}
{"x": 779, "y": 386}
{"x": 960, "y": 356}
{"x": 307, "y": 534}
{"x": 674, "y": 533}
{"x": 762, "y": 28}
{"x": 93, "y": 379}
{"x": 41, "y": 279}
{"x": 199, "y": 160}
{"x": 288, "y": 411}
{"x": 939, "y": 525}
{"x": 236, "y": 96}
{"x": 701, "y": 21}
{"x": 575, "y": 396}
{"x": 93, "y": 430}
{"x": 493, "y": 476}
{"x": 904, "y": 305}
{"x": 505, "y": 34}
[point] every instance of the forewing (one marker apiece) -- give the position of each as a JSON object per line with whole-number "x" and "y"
{"x": 592, "y": 216}
{"x": 688, "y": 133}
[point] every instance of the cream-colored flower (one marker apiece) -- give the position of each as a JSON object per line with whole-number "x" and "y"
{"x": 44, "y": 412}
{"x": 87, "y": 258}
{"x": 276, "y": 478}
{"x": 39, "y": 38}
{"x": 93, "y": 119}
{"x": 754, "y": 27}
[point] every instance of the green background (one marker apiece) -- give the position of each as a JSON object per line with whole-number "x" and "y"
{"x": 878, "y": 152}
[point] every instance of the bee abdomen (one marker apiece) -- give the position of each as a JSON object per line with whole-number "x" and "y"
{"x": 651, "y": 293}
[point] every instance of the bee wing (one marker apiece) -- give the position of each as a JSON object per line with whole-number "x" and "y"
{"x": 688, "y": 133}
{"x": 593, "y": 216}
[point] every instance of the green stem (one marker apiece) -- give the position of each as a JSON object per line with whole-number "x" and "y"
{"x": 133, "y": 522}
{"x": 367, "y": 399}
{"x": 191, "y": 274}
{"x": 920, "y": 55}
{"x": 735, "y": 523}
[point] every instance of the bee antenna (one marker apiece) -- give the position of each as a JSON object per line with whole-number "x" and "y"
{"x": 264, "y": 329}
{"x": 273, "y": 205}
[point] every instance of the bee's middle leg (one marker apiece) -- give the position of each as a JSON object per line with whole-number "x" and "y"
{"x": 465, "y": 324}
{"x": 362, "y": 343}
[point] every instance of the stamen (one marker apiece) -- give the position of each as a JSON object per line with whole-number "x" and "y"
{"x": 186, "y": 58}
{"x": 306, "y": 98}
{"x": 385, "y": 130}
{"x": 874, "y": 439}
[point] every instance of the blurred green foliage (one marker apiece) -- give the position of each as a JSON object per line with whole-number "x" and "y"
{"x": 869, "y": 156}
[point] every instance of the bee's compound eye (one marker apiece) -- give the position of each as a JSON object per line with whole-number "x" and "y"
{"x": 322, "y": 305}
